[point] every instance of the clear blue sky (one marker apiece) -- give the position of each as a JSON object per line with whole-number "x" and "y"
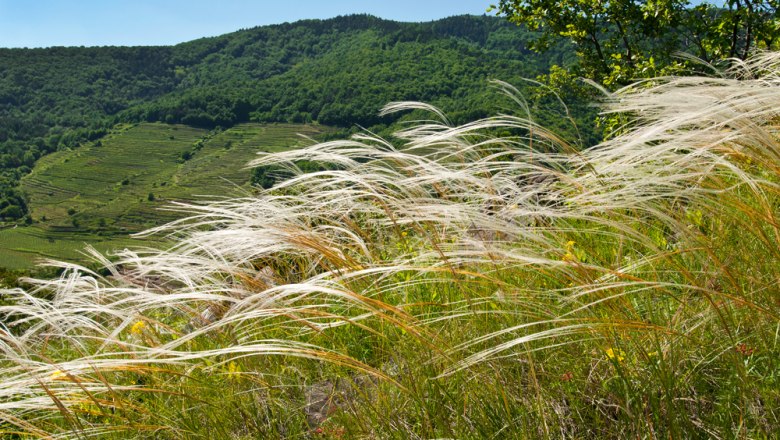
{"x": 41, "y": 23}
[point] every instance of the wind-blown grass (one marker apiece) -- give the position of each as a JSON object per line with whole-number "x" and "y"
{"x": 475, "y": 281}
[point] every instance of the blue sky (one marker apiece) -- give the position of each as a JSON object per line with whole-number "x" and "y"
{"x": 41, "y": 23}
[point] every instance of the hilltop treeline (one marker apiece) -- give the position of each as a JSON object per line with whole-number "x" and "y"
{"x": 340, "y": 72}
{"x": 336, "y": 72}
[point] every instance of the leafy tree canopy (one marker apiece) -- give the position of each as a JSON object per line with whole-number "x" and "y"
{"x": 621, "y": 40}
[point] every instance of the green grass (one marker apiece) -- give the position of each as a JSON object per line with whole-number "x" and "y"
{"x": 98, "y": 194}
{"x": 23, "y": 247}
{"x": 490, "y": 288}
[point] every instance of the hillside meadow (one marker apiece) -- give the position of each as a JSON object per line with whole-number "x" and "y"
{"x": 24, "y": 247}
{"x": 101, "y": 193}
{"x": 481, "y": 280}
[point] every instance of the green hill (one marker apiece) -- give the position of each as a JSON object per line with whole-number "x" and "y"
{"x": 101, "y": 192}
{"x": 336, "y": 72}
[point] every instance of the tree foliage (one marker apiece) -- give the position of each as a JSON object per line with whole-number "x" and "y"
{"x": 622, "y": 40}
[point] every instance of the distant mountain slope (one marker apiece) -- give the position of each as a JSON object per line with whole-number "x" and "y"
{"x": 341, "y": 71}
{"x": 121, "y": 182}
{"x": 105, "y": 190}
{"x": 338, "y": 72}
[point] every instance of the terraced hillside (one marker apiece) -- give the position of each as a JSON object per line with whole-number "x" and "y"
{"x": 102, "y": 192}
{"x": 22, "y": 247}
{"x": 107, "y": 179}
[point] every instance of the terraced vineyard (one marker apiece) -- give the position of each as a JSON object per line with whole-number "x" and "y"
{"x": 102, "y": 192}
{"x": 22, "y": 248}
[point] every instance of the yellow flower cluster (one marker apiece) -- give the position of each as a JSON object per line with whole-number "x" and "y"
{"x": 616, "y": 355}
{"x": 569, "y": 255}
{"x": 138, "y": 328}
{"x": 233, "y": 370}
{"x": 59, "y": 375}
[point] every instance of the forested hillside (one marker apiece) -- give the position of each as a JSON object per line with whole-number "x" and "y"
{"x": 335, "y": 72}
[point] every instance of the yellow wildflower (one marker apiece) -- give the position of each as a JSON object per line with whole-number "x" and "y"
{"x": 58, "y": 375}
{"x": 616, "y": 355}
{"x": 138, "y": 328}
{"x": 233, "y": 370}
{"x": 89, "y": 408}
{"x": 63, "y": 376}
{"x": 570, "y": 255}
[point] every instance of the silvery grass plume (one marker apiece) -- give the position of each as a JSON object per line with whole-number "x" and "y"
{"x": 587, "y": 245}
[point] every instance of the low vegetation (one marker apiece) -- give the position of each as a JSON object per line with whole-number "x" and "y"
{"x": 104, "y": 191}
{"x": 24, "y": 247}
{"x": 485, "y": 280}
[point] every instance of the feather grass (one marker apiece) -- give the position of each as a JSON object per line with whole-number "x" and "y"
{"x": 647, "y": 262}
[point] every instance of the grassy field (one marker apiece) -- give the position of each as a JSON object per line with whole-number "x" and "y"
{"x": 508, "y": 287}
{"x": 24, "y": 247}
{"x": 102, "y": 192}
